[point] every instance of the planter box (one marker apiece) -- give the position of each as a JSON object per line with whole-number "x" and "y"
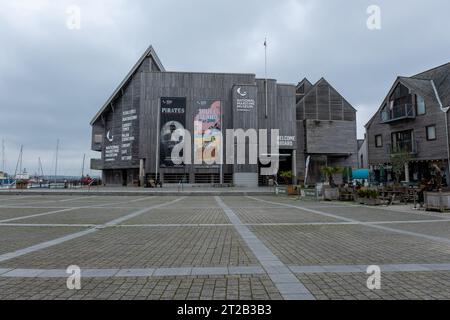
{"x": 330, "y": 193}
{"x": 292, "y": 190}
{"x": 437, "y": 201}
{"x": 369, "y": 201}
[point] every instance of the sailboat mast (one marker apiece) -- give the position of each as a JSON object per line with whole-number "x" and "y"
{"x": 19, "y": 162}
{"x": 3, "y": 157}
{"x": 56, "y": 160}
{"x": 82, "y": 168}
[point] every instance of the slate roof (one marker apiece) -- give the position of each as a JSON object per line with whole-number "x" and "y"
{"x": 421, "y": 85}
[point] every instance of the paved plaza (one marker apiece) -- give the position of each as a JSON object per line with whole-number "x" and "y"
{"x": 218, "y": 247}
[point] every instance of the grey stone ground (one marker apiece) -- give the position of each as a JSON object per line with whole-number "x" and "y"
{"x": 223, "y": 247}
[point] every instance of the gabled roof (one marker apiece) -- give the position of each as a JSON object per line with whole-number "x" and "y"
{"x": 421, "y": 84}
{"x": 150, "y": 52}
{"x": 321, "y": 80}
{"x": 307, "y": 85}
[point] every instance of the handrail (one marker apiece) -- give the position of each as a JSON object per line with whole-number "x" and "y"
{"x": 398, "y": 112}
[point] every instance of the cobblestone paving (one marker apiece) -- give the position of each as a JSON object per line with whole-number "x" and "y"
{"x": 185, "y": 216}
{"x": 78, "y": 216}
{"x": 283, "y": 215}
{"x": 11, "y": 213}
{"x": 366, "y": 214}
{"x": 15, "y": 238}
{"x": 143, "y": 247}
{"x": 163, "y": 288}
{"x": 323, "y": 245}
{"x": 394, "y": 286}
{"x": 439, "y": 229}
{"x": 196, "y": 232}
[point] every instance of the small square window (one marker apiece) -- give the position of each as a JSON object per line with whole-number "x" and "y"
{"x": 431, "y": 133}
{"x": 379, "y": 141}
{"x": 98, "y": 138}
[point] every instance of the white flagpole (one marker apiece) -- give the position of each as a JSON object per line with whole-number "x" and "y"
{"x": 265, "y": 72}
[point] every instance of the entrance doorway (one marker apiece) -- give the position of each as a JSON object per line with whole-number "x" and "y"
{"x": 124, "y": 178}
{"x": 285, "y": 166}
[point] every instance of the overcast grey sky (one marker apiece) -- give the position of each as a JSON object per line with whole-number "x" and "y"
{"x": 53, "y": 79}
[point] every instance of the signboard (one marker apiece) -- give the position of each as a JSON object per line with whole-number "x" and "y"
{"x": 244, "y": 103}
{"x": 286, "y": 141}
{"x": 209, "y": 114}
{"x": 129, "y": 119}
{"x": 119, "y": 138}
{"x": 173, "y": 117}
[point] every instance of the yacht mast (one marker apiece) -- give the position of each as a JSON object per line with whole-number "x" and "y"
{"x": 56, "y": 160}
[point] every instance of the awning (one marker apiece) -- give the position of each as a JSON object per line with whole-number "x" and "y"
{"x": 361, "y": 174}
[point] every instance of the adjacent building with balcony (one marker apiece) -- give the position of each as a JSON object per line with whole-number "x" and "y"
{"x": 412, "y": 119}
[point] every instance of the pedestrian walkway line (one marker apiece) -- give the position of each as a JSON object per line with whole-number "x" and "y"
{"x": 125, "y": 273}
{"x": 363, "y": 268}
{"x": 286, "y": 282}
{"x": 367, "y": 224}
{"x": 211, "y": 225}
{"x": 44, "y": 245}
{"x": 215, "y": 271}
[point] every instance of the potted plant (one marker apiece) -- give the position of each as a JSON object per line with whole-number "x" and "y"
{"x": 331, "y": 192}
{"x": 439, "y": 197}
{"x": 287, "y": 177}
{"x": 368, "y": 197}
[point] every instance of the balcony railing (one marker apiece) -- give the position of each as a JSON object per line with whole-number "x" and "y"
{"x": 403, "y": 147}
{"x": 399, "y": 112}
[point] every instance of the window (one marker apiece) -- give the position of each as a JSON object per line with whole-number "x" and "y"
{"x": 98, "y": 138}
{"x": 421, "y": 108}
{"x": 379, "y": 141}
{"x": 431, "y": 133}
{"x": 403, "y": 141}
{"x": 384, "y": 113}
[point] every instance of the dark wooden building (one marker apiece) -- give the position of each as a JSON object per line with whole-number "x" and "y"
{"x": 129, "y": 128}
{"x": 413, "y": 118}
{"x": 326, "y": 129}
{"x": 132, "y": 129}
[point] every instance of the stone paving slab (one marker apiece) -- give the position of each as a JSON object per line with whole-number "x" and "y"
{"x": 368, "y": 214}
{"x": 194, "y": 202}
{"x": 79, "y": 216}
{"x": 439, "y": 229}
{"x": 279, "y": 215}
{"x": 257, "y": 287}
{"x": 11, "y": 213}
{"x": 202, "y": 256}
{"x": 394, "y": 286}
{"x": 143, "y": 272}
{"x": 348, "y": 245}
{"x": 185, "y": 216}
{"x": 15, "y": 238}
{"x": 144, "y": 248}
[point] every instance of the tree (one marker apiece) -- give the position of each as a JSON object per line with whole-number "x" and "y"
{"x": 399, "y": 160}
{"x": 330, "y": 172}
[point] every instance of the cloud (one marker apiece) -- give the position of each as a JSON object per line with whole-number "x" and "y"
{"x": 53, "y": 80}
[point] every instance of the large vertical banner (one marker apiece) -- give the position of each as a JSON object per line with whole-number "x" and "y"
{"x": 173, "y": 117}
{"x": 208, "y": 117}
